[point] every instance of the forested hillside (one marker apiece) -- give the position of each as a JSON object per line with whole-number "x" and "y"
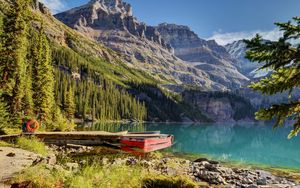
{"x": 54, "y": 76}
{"x": 53, "y": 83}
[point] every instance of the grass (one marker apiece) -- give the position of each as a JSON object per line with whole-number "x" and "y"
{"x": 153, "y": 181}
{"x": 8, "y": 131}
{"x": 32, "y": 144}
{"x": 42, "y": 177}
{"x": 5, "y": 144}
{"x": 101, "y": 177}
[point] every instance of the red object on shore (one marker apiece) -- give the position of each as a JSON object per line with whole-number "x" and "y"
{"x": 146, "y": 144}
{"x": 32, "y": 125}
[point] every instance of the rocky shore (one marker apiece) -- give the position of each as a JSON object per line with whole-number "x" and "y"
{"x": 205, "y": 172}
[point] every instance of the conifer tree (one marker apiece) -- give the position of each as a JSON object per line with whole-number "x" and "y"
{"x": 27, "y": 101}
{"x": 13, "y": 56}
{"x": 69, "y": 105}
{"x": 4, "y": 116}
{"x": 43, "y": 77}
{"x": 283, "y": 58}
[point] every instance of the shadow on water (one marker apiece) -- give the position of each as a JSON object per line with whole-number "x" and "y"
{"x": 243, "y": 143}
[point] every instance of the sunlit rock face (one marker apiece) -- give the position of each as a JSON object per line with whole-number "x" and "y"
{"x": 237, "y": 50}
{"x": 112, "y": 23}
{"x": 205, "y": 55}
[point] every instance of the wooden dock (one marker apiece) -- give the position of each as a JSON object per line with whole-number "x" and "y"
{"x": 87, "y": 138}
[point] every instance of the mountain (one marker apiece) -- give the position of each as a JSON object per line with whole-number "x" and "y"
{"x": 103, "y": 84}
{"x": 237, "y": 50}
{"x": 112, "y": 23}
{"x": 207, "y": 56}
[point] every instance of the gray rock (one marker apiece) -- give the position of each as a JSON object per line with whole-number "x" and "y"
{"x": 105, "y": 161}
{"x": 252, "y": 186}
{"x": 247, "y": 180}
{"x": 131, "y": 161}
{"x": 211, "y": 177}
{"x": 211, "y": 167}
{"x": 82, "y": 162}
{"x": 146, "y": 164}
{"x": 72, "y": 166}
{"x": 51, "y": 159}
{"x": 200, "y": 160}
{"x": 261, "y": 181}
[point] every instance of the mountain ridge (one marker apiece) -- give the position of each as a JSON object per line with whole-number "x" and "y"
{"x": 202, "y": 54}
{"x": 112, "y": 23}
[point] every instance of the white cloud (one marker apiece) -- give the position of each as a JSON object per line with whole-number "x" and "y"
{"x": 54, "y": 5}
{"x": 226, "y": 38}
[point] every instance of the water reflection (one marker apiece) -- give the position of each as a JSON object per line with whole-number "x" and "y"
{"x": 245, "y": 143}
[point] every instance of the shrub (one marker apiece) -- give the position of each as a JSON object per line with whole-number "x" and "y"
{"x": 32, "y": 144}
{"x": 103, "y": 176}
{"x": 168, "y": 182}
{"x": 42, "y": 177}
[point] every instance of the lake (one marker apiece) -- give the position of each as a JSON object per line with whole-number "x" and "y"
{"x": 247, "y": 143}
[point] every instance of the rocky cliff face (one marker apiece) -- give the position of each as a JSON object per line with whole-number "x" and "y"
{"x": 205, "y": 55}
{"x": 220, "y": 107}
{"x": 237, "y": 50}
{"x": 40, "y": 7}
{"x": 112, "y": 23}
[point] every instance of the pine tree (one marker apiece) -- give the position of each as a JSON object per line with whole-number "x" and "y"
{"x": 28, "y": 104}
{"x": 69, "y": 105}
{"x": 43, "y": 77}
{"x": 4, "y": 116}
{"x": 283, "y": 58}
{"x": 13, "y": 56}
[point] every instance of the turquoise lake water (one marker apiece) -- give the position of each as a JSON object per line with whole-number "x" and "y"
{"x": 247, "y": 143}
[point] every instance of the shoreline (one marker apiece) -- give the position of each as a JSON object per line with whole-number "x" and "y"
{"x": 201, "y": 171}
{"x": 233, "y": 163}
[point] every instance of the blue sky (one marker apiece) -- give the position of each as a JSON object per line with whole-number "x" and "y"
{"x": 222, "y": 20}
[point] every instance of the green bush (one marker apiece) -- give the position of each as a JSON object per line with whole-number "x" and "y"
{"x": 102, "y": 176}
{"x": 42, "y": 177}
{"x": 32, "y": 144}
{"x": 168, "y": 182}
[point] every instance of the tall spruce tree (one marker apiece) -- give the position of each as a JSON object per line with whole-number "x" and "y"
{"x": 13, "y": 56}
{"x": 43, "y": 77}
{"x": 4, "y": 116}
{"x": 69, "y": 105}
{"x": 283, "y": 58}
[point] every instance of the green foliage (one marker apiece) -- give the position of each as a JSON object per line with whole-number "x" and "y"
{"x": 153, "y": 181}
{"x": 101, "y": 176}
{"x": 42, "y": 177}
{"x": 27, "y": 73}
{"x": 4, "y": 116}
{"x": 283, "y": 58}
{"x": 13, "y": 56}
{"x": 43, "y": 77}
{"x": 95, "y": 175}
{"x": 69, "y": 103}
{"x": 163, "y": 105}
{"x": 96, "y": 97}
{"x": 5, "y": 144}
{"x": 57, "y": 122}
{"x": 32, "y": 144}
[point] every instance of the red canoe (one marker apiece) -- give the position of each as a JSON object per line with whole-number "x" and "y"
{"x": 146, "y": 144}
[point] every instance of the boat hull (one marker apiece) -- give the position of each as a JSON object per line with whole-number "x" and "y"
{"x": 145, "y": 145}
